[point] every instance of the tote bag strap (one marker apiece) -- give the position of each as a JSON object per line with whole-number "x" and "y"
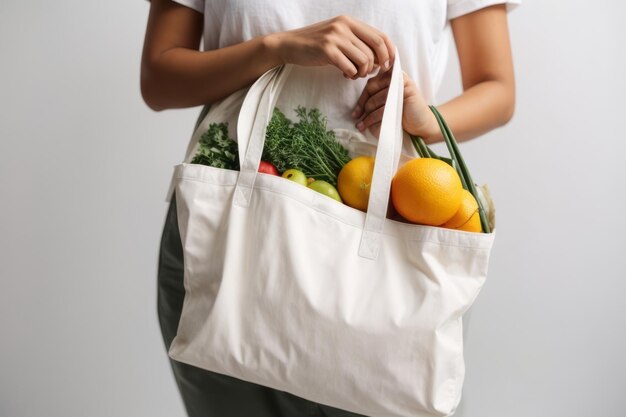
{"x": 255, "y": 114}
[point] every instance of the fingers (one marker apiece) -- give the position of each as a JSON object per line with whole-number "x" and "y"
{"x": 359, "y": 58}
{"x": 371, "y": 58}
{"x": 341, "y": 61}
{"x": 354, "y": 47}
{"x": 379, "y": 42}
{"x": 370, "y": 106}
{"x": 371, "y": 119}
{"x": 373, "y": 86}
{"x": 375, "y": 129}
{"x": 392, "y": 50}
{"x": 375, "y": 102}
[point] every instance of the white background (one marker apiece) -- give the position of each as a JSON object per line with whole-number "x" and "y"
{"x": 84, "y": 167}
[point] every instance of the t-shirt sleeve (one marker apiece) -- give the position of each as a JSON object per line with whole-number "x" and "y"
{"x": 197, "y": 5}
{"x": 458, "y": 8}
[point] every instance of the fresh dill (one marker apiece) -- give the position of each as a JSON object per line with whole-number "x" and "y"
{"x": 306, "y": 145}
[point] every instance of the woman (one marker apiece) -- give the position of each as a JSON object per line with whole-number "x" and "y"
{"x": 355, "y": 39}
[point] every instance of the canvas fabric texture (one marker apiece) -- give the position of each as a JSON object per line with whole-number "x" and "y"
{"x": 290, "y": 289}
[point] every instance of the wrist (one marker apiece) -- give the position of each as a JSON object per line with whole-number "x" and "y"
{"x": 429, "y": 130}
{"x": 432, "y": 133}
{"x": 272, "y": 46}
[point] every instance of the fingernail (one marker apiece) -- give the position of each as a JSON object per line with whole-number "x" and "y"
{"x": 356, "y": 111}
{"x": 359, "y": 125}
{"x": 386, "y": 64}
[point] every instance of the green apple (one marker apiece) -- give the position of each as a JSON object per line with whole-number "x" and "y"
{"x": 295, "y": 176}
{"x": 325, "y": 188}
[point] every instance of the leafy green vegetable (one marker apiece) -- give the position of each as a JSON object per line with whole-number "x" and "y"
{"x": 306, "y": 145}
{"x": 216, "y": 149}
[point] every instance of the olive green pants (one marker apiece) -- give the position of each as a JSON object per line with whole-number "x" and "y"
{"x": 210, "y": 394}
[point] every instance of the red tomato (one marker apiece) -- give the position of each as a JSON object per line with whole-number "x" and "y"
{"x": 267, "y": 168}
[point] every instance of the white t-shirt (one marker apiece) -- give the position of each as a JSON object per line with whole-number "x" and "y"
{"x": 418, "y": 28}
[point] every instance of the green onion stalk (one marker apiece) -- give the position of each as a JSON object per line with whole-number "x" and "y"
{"x": 455, "y": 160}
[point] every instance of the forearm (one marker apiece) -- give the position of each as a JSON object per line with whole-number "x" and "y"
{"x": 481, "y": 108}
{"x": 182, "y": 77}
{"x": 484, "y": 50}
{"x": 175, "y": 74}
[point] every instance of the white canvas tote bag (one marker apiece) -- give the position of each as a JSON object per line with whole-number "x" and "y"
{"x": 288, "y": 288}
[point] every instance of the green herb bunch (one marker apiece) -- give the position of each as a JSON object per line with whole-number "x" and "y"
{"x": 216, "y": 149}
{"x": 305, "y": 145}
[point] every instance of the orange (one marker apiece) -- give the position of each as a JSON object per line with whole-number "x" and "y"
{"x": 354, "y": 181}
{"x": 466, "y": 217}
{"x": 426, "y": 191}
{"x": 473, "y": 224}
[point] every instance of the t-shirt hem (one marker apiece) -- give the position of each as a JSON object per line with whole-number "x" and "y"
{"x": 468, "y": 6}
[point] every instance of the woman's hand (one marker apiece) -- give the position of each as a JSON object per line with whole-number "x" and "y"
{"x": 354, "y": 47}
{"x": 417, "y": 118}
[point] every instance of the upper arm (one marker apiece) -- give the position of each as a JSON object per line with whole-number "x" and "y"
{"x": 170, "y": 25}
{"x": 483, "y": 46}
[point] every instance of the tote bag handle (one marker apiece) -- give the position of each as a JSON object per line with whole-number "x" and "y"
{"x": 255, "y": 115}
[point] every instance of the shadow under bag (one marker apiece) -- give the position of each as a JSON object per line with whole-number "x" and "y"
{"x": 287, "y": 288}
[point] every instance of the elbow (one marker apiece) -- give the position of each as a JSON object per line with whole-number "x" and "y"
{"x": 508, "y": 110}
{"x": 149, "y": 100}
{"x": 150, "y": 94}
{"x": 507, "y": 105}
